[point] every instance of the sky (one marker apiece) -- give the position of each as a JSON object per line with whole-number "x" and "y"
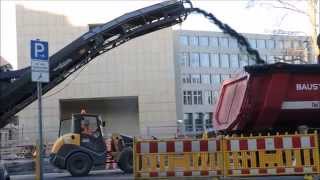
{"x": 259, "y": 17}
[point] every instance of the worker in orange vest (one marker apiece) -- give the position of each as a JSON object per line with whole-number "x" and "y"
{"x": 85, "y": 125}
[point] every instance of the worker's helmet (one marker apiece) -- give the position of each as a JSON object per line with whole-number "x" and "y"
{"x": 83, "y": 111}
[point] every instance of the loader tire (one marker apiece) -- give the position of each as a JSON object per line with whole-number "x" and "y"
{"x": 79, "y": 164}
{"x": 125, "y": 162}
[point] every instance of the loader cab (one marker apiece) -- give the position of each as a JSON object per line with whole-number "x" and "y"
{"x": 80, "y": 123}
{"x": 89, "y": 127}
{"x": 80, "y": 145}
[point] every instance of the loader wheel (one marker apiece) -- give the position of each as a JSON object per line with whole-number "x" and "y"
{"x": 79, "y": 164}
{"x": 126, "y": 160}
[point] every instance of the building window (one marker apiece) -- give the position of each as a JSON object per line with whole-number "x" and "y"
{"x": 214, "y": 42}
{"x": 204, "y": 41}
{"x": 288, "y": 58}
{"x": 287, "y": 44}
{"x": 225, "y": 77}
{"x": 244, "y": 60}
{"x": 215, "y": 79}
{"x": 297, "y": 44}
{"x": 224, "y": 60}
{"x": 233, "y": 43}
{"x": 188, "y": 122}
{"x": 271, "y": 60}
{"x": 186, "y": 78}
{"x": 261, "y": 44}
{"x": 215, "y": 96}
{"x": 204, "y": 60}
{"x": 198, "y": 118}
{"x": 279, "y": 44}
{"x": 208, "y": 97}
{"x": 205, "y": 78}
{"x": 196, "y": 79}
{"x": 253, "y": 43}
{"x": 194, "y": 60}
{"x": 184, "y": 59}
{"x": 194, "y": 40}
{"x": 184, "y": 40}
{"x": 208, "y": 120}
{"x": 197, "y": 97}
{"x": 215, "y": 60}
{"x": 223, "y": 42}
{"x": 187, "y": 97}
{"x": 234, "y": 61}
{"x": 270, "y": 44}
{"x": 278, "y": 58}
{"x": 296, "y": 61}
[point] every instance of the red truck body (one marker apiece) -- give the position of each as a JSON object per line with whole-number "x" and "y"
{"x": 270, "y": 96}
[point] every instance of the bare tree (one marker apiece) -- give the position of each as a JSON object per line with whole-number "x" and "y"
{"x": 290, "y": 7}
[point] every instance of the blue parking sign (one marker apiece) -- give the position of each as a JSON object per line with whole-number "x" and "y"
{"x": 39, "y": 50}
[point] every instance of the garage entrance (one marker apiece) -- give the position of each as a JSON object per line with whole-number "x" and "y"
{"x": 120, "y": 114}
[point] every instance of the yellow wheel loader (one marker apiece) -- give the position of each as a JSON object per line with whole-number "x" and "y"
{"x": 81, "y": 146}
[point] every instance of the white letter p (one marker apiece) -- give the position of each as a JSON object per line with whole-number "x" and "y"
{"x": 39, "y": 48}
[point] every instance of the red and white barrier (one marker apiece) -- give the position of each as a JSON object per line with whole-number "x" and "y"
{"x": 270, "y": 143}
{"x": 178, "y": 146}
{"x": 272, "y": 171}
{"x": 179, "y": 174}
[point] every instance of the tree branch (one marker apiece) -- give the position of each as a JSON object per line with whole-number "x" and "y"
{"x": 287, "y": 8}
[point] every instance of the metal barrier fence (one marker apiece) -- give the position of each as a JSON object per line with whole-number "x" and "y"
{"x": 22, "y": 151}
{"x": 167, "y": 158}
{"x": 296, "y": 154}
{"x": 271, "y": 155}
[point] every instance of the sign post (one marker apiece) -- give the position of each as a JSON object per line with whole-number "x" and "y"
{"x": 39, "y": 74}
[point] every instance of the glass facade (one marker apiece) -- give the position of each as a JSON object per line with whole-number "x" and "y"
{"x": 208, "y": 97}
{"x": 261, "y": 44}
{"x": 214, "y": 42}
{"x": 194, "y": 60}
{"x": 224, "y": 60}
{"x": 194, "y": 40}
{"x": 215, "y": 62}
{"x": 223, "y": 42}
{"x": 205, "y": 59}
{"x": 204, "y": 41}
{"x": 195, "y": 78}
{"x": 184, "y": 40}
{"x": 253, "y": 43}
{"x": 215, "y": 79}
{"x": 271, "y": 44}
{"x": 197, "y": 97}
{"x": 233, "y": 43}
{"x": 184, "y": 59}
{"x": 234, "y": 61}
{"x": 197, "y": 121}
{"x": 205, "y": 79}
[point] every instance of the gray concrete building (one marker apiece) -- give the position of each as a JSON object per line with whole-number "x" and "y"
{"x": 146, "y": 85}
{"x": 204, "y": 59}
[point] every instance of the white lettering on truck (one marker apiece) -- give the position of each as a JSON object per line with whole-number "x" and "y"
{"x": 308, "y": 87}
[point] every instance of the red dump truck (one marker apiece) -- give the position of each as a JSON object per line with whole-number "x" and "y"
{"x": 270, "y": 96}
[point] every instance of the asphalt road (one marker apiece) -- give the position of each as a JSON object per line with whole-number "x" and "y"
{"x": 118, "y": 175}
{"x": 95, "y": 175}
